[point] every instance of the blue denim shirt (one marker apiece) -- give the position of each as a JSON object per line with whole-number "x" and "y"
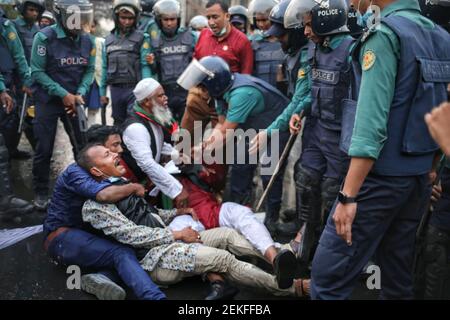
{"x": 73, "y": 187}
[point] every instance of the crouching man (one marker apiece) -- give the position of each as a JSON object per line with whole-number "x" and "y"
{"x": 166, "y": 258}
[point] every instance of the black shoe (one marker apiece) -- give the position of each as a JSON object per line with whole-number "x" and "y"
{"x": 290, "y": 215}
{"x": 289, "y": 229}
{"x": 41, "y": 202}
{"x": 20, "y": 155}
{"x": 284, "y": 266}
{"x": 11, "y": 206}
{"x": 221, "y": 291}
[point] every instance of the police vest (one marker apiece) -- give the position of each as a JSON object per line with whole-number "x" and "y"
{"x": 123, "y": 58}
{"x": 274, "y": 101}
{"x": 173, "y": 55}
{"x": 330, "y": 82}
{"x": 26, "y": 37}
{"x": 268, "y": 59}
{"x": 7, "y": 64}
{"x": 67, "y": 60}
{"x": 291, "y": 67}
{"x": 421, "y": 84}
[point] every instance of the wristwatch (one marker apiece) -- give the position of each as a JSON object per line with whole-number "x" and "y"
{"x": 344, "y": 199}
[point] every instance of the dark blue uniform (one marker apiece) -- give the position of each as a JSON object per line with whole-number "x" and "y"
{"x": 391, "y": 200}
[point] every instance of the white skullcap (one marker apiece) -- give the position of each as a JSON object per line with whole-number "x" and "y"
{"x": 145, "y": 88}
{"x": 126, "y": 8}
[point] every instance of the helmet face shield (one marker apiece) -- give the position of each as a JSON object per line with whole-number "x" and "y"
{"x": 296, "y": 11}
{"x": 194, "y": 74}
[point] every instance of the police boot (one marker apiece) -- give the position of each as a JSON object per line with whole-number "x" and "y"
{"x": 271, "y": 219}
{"x": 308, "y": 183}
{"x": 10, "y": 206}
{"x": 291, "y": 228}
{"x": 330, "y": 191}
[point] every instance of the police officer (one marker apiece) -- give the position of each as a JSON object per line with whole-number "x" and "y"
{"x": 62, "y": 67}
{"x": 354, "y": 23}
{"x": 246, "y": 102}
{"x": 198, "y": 23}
{"x": 292, "y": 40}
{"x": 268, "y": 55}
{"x": 172, "y": 47}
{"x": 10, "y": 205}
{"x": 381, "y": 201}
{"x": 238, "y": 18}
{"x": 27, "y": 27}
{"x": 27, "y": 24}
{"x": 324, "y": 161}
{"x": 147, "y": 18}
{"x": 124, "y": 59}
{"x": 47, "y": 19}
{"x": 436, "y": 256}
{"x": 13, "y": 62}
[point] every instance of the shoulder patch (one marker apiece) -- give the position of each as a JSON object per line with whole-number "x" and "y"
{"x": 41, "y": 50}
{"x": 154, "y": 34}
{"x": 369, "y": 59}
{"x": 146, "y": 45}
{"x": 301, "y": 73}
{"x": 93, "y": 52}
{"x": 12, "y": 36}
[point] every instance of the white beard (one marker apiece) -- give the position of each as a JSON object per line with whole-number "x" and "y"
{"x": 162, "y": 114}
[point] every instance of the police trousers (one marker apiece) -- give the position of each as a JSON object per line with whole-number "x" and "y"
{"x": 388, "y": 214}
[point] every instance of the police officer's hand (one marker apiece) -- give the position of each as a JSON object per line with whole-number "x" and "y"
{"x": 80, "y": 100}
{"x": 150, "y": 58}
{"x": 187, "y": 235}
{"x": 7, "y": 101}
{"x": 295, "y": 124}
{"x": 70, "y": 101}
{"x": 343, "y": 219}
{"x": 104, "y": 101}
{"x": 436, "y": 193}
{"x": 258, "y": 142}
{"x": 27, "y": 90}
{"x": 438, "y": 122}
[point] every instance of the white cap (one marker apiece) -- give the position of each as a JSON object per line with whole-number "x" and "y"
{"x": 126, "y": 8}
{"x": 145, "y": 88}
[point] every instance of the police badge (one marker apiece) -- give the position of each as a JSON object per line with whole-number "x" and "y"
{"x": 41, "y": 51}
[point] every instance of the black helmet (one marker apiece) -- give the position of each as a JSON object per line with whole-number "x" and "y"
{"x": 262, "y": 7}
{"x": 66, "y": 9}
{"x": 328, "y": 16}
{"x": 438, "y": 11}
{"x": 238, "y": 14}
{"x": 22, "y": 5}
{"x": 296, "y": 36}
{"x": 352, "y": 22}
{"x": 170, "y": 8}
{"x": 211, "y": 71}
{"x": 135, "y": 4}
{"x": 147, "y": 6}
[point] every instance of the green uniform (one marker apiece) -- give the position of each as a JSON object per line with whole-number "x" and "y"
{"x": 2, "y": 83}
{"x": 242, "y": 103}
{"x": 39, "y": 66}
{"x": 146, "y": 71}
{"x": 302, "y": 96}
{"x": 379, "y": 59}
{"x": 10, "y": 37}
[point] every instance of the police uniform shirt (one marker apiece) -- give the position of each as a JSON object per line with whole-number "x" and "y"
{"x": 242, "y": 103}
{"x": 39, "y": 65}
{"x": 10, "y": 38}
{"x": 379, "y": 57}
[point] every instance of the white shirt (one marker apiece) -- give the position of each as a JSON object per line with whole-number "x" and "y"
{"x": 138, "y": 141}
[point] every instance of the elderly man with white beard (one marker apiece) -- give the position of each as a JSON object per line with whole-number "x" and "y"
{"x": 143, "y": 137}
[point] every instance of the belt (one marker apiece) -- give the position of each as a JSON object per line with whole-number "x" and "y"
{"x": 53, "y": 235}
